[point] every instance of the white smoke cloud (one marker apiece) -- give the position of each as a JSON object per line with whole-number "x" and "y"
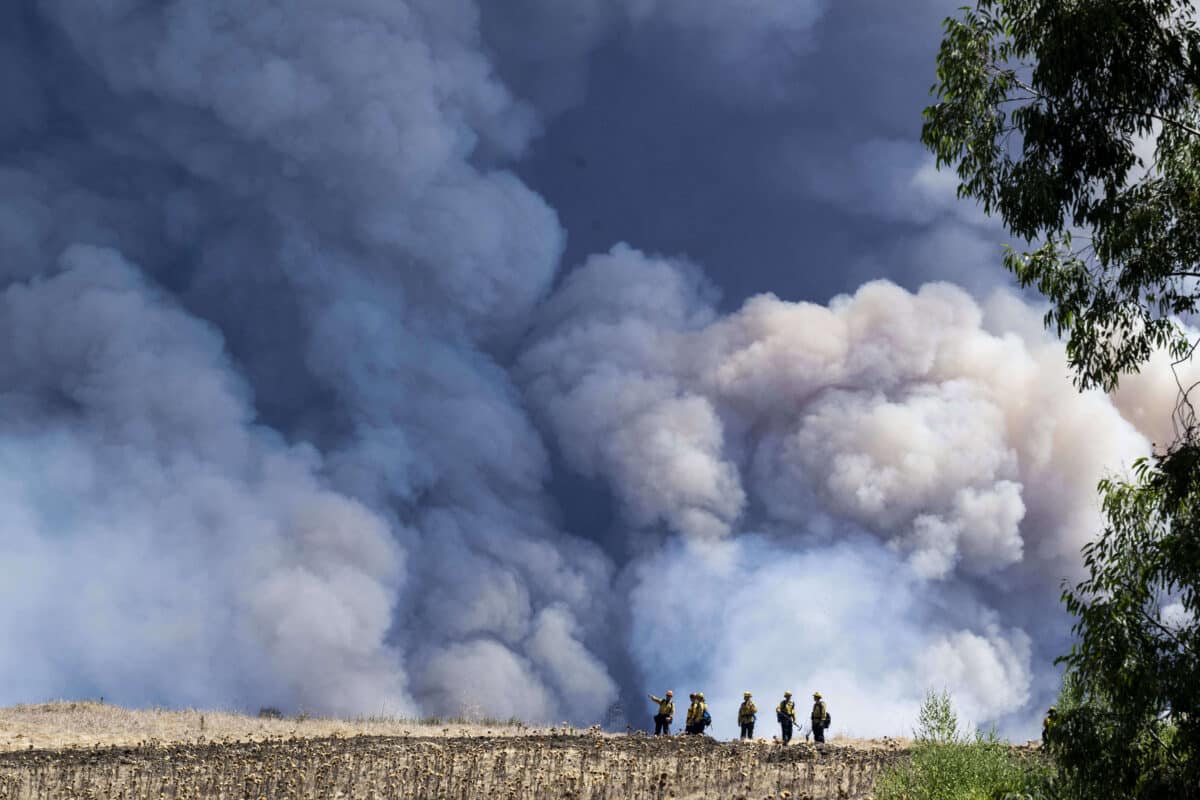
{"x": 900, "y": 413}
{"x": 574, "y": 672}
{"x": 484, "y": 675}
{"x": 847, "y": 619}
{"x": 948, "y": 432}
{"x": 159, "y": 529}
{"x": 607, "y": 387}
{"x": 932, "y": 464}
{"x": 987, "y": 673}
{"x": 1142, "y": 397}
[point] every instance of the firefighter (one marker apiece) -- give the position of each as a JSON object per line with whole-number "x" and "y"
{"x": 698, "y": 717}
{"x": 666, "y": 713}
{"x": 1048, "y": 723}
{"x": 690, "y": 722}
{"x": 747, "y": 713}
{"x": 820, "y": 718}
{"x": 785, "y": 712}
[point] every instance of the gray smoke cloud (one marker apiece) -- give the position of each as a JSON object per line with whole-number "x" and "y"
{"x": 157, "y": 543}
{"x": 741, "y": 51}
{"x": 300, "y": 409}
{"x": 316, "y": 183}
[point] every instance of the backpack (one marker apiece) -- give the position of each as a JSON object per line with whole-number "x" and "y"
{"x": 706, "y": 719}
{"x": 828, "y": 720}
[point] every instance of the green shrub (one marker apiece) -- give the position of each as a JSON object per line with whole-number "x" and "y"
{"x": 947, "y": 764}
{"x": 937, "y": 722}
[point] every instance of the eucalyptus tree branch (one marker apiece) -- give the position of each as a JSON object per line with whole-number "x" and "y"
{"x": 1036, "y": 94}
{"x": 1170, "y": 634}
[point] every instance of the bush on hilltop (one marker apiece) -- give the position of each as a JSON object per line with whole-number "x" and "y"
{"x": 948, "y": 764}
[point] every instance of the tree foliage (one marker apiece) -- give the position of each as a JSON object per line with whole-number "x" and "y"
{"x": 1131, "y": 719}
{"x": 1049, "y": 111}
{"x": 1077, "y": 122}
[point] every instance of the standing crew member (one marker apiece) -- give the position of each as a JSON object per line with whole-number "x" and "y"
{"x": 699, "y": 714}
{"x": 747, "y": 713}
{"x": 690, "y": 725}
{"x": 820, "y": 718}
{"x": 785, "y": 712}
{"x": 1048, "y": 723}
{"x": 666, "y": 713}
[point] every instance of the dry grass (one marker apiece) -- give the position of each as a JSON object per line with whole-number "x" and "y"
{"x": 69, "y": 724}
{"x": 93, "y": 751}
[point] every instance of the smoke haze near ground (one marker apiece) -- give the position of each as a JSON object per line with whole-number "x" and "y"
{"x": 321, "y": 390}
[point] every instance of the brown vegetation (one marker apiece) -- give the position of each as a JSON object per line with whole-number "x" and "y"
{"x": 534, "y": 767}
{"x": 418, "y": 762}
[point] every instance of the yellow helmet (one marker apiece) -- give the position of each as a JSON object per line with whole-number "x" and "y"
{"x": 699, "y": 695}
{"x": 787, "y": 694}
{"x": 816, "y": 695}
{"x": 745, "y": 694}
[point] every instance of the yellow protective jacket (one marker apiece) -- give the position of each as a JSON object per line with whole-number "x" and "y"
{"x": 818, "y": 712}
{"x": 746, "y": 712}
{"x": 1048, "y": 723}
{"x": 696, "y": 712}
{"x": 787, "y": 708}
{"x": 666, "y": 706}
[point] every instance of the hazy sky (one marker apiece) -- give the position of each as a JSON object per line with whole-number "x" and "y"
{"x": 457, "y": 356}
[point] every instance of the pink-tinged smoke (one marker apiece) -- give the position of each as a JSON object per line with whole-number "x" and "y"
{"x": 877, "y": 496}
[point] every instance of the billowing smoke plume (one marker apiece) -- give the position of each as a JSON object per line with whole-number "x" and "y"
{"x": 311, "y": 180}
{"x": 158, "y": 544}
{"x": 292, "y": 386}
{"x": 890, "y": 450}
{"x": 901, "y": 415}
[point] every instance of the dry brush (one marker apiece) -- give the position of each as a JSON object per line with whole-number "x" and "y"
{"x": 553, "y": 767}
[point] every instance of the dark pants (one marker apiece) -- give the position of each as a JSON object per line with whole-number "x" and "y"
{"x": 662, "y": 725}
{"x": 748, "y": 730}
{"x": 695, "y": 728}
{"x": 818, "y": 731}
{"x": 786, "y": 727}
